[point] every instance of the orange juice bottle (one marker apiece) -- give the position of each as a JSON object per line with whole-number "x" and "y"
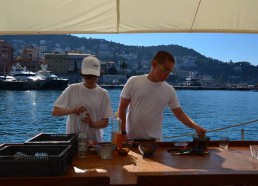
{"x": 119, "y": 139}
{"x": 116, "y": 136}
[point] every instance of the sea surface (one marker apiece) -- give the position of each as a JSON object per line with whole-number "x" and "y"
{"x": 24, "y": 114}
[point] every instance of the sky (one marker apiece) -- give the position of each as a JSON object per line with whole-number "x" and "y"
{"x": 221, "y": 46}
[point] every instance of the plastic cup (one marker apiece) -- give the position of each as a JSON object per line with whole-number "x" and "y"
{"x": 223, "y": 142}
{"x": 254, "y": 151}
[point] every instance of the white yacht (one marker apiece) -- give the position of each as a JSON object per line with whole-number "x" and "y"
{"x": 23, "y": 79}
{"x": 21, "y": 73}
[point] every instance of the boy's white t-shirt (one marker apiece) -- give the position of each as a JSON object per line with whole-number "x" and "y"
{"x": 96, "y": 101}
{"x": 148, "y": 101}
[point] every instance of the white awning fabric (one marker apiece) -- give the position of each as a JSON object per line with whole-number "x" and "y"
{"x": 127, "y": 16}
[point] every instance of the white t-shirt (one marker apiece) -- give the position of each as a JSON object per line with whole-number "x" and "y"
{"x": 96, "y": 101}
{"x": 148, "y": 101}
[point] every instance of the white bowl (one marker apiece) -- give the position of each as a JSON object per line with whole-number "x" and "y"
{"x": 105, "y": 150}
{"x": 147, "y": 148}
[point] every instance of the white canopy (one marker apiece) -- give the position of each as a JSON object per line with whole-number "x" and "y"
{"x": 127, "y": 16}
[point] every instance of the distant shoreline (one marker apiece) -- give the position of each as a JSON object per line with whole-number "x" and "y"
{"x": 176, "y": 87}
{"x": 212, "y": 88}
{"x": 190, "y": 88}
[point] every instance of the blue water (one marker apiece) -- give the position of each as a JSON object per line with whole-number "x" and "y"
{"x": 24, "y": 114}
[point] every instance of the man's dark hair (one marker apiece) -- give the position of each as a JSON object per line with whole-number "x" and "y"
{"x": 163, "y": 56}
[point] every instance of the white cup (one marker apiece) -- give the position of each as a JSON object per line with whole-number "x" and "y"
{"x": 254, "y": 151}
{"x": 223, "y": 142}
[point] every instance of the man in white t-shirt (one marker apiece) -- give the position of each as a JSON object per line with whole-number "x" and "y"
{"x": 146, "y": 97}
{"x": 85, "y": 102}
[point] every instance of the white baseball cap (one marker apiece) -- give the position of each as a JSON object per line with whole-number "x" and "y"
{"x": 90, "y": 66}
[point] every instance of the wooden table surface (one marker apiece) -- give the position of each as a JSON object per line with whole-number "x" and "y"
{"x": 219, "y": 167}
{"x": 233, "y": 166}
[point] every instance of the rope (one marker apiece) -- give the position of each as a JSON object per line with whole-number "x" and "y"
{"x": 214, "y": 130}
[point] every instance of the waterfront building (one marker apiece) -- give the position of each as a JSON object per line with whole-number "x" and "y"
{"x": 65, "y": 62}
{"x": 31, "y": 53}
{"x": 207, "y": 80}
{"x": 6, "y": 55}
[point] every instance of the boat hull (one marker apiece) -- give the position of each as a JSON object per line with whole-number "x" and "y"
{"x": 34, "y": 85}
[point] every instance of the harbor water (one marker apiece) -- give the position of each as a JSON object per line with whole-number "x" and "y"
{"x": 27, "y": 113}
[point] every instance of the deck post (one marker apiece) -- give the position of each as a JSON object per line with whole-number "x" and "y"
{"x": 243, "y": 134}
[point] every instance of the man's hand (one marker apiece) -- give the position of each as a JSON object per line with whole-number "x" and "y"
{"x": 78, "y": 110}
{"x": 200, "y": 131}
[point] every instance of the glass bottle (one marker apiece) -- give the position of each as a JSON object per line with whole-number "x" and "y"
{"x": 82, "y": 137}
{"x": 116, "y": 136}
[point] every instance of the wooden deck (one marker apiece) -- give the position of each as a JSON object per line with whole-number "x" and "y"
{"x": 220, "y": 167}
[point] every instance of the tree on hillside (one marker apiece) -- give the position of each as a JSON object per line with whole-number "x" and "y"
{"x": 123, "y": 66}
{"x": 112, "y": 71}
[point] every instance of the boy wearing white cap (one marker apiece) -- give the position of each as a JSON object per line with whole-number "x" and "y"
{"x": 85, "y": 97}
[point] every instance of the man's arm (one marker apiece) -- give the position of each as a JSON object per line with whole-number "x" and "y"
{"x": 123, "y": 104}
{"x": 186, "y": 120}
{"x": 57, "y": 111}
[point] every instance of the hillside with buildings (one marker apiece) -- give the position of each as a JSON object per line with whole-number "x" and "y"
{"x": 64, "y": 53}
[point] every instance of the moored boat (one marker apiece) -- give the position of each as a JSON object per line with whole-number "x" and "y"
{"x": 192, "y": 81}
{"x": 22, "y": 79}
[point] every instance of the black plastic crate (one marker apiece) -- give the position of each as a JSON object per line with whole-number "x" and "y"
{"x": 2, "y": 145}
{"x": 55, "y": 139}
{"x": 25, "y": 160}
